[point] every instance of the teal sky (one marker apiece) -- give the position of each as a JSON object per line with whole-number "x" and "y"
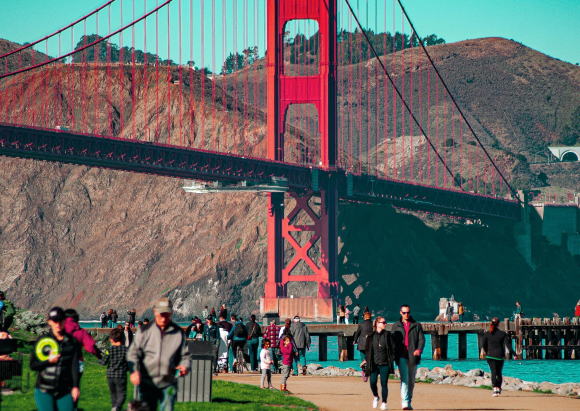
{"x": 549, "y": 26}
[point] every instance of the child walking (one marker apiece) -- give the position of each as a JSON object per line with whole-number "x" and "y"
{"x": 266, "y": 364}
{"x": 287, "y": 351}
{"x": 116, "y": 363}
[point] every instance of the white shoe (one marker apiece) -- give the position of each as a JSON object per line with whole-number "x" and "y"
{"x": 376, "y": 402}
{"x": 384, "y": 406}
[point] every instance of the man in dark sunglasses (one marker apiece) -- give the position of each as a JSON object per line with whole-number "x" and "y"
{"x": 409, "y": 341}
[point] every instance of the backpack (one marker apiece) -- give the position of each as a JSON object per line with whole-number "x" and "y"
{"x": 240, "y": 331}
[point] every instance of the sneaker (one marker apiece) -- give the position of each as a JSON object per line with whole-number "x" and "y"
{"x": 495, "y": 393}
{"x": 408, "y": 407}
{"x": 376, "y": 402}
{"x": 384, "y": 406}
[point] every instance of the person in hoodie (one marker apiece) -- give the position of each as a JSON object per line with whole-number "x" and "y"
{"x": 238, "y": 336}
{"x": 302, "y": 342}
{"x": 409, "y": 342}
{"x": 157, "y": 356}
{"x": 362, "y": 332}
{"x": 56, "y": 359}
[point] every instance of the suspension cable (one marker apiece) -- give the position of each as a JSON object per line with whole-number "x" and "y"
{"x": 514, "y": 193}
{"x": 455, "y": 180}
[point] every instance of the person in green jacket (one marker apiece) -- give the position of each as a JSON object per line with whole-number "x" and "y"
{"x": 7, "y": 312}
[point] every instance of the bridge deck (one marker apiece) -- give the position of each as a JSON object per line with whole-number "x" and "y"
{"x": 159, "y": 159}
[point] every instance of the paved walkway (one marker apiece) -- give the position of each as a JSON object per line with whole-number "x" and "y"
{"x": 351, "y": 394}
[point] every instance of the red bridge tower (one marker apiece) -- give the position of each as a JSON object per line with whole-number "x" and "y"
{"x": 320, "y": 91}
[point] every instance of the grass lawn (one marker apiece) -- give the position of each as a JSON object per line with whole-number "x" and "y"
{"x": 226, "y": 395}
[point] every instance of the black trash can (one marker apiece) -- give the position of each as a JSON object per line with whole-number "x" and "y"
{"x": 196, "y": 386}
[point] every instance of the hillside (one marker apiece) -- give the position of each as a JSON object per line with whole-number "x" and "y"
{"x": 94, "y": 238}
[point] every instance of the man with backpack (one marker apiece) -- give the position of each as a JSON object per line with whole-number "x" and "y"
{"x": 7, "y": 312}
{"x": 238, "y": 336}
{"x": 302, "y": 342}
{"x": 254, "y": 334}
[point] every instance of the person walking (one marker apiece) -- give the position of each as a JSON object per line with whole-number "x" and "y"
{"x": 131, "y": 315}
{"x": 577, "y": 309}
{"x": 449, "y": 313}
{"x": 254, "y": 334}
{"x": 127, "y": 335}
{"x": 56, "y": 359}
{"x": 116, "y": 362}
{"x": 355, "y": 313}
{"x": 380, "y": 356}
{"x": 7, "y": 312}
{"x": 460, "y": 312}
{"x": 341, "y": 314}
{"x": 271, "y": 333}
{"x": 361, "y": 334}
{"x": 287, "y": 350}
{"x": 223, "y": 311}
{"x": 238, "y": 335}
{"x": 157, "y": 356}
{"x": 302, "y": 342}
{"x": 494, "y": 344}
{"x": 110, "y": 318}
{"x": 286, "y": 330}
{"x": 518, "y": 312}
{"x": 211, "y": 331}
{"x": 266, "y": 364}
{"x": 104, "y": 319}
{"x": 409, "y": 341}
{"x": 114, "y": 318}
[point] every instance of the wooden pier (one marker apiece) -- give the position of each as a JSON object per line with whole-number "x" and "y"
{"x": 532, "y": 338}
{"x": 537, "y": 338}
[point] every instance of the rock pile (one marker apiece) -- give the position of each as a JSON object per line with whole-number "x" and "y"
{"x": 447, "y": 375}
{"x": 478, "y": 378}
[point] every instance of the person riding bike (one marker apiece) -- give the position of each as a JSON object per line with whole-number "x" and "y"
{"x": 238, "y": 336}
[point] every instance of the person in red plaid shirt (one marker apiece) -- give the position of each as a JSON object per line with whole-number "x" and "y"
{"x": 272, "y": 332}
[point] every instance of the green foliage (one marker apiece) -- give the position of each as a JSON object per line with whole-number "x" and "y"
{"x": 236, "y": 61}
{"x": 226, "y": 395}
{"x": 105, "y": 51}
{"x": 353, "y": 46}
{"x": 30, "y": 322}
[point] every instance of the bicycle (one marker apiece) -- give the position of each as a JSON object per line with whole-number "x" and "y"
{"x": 240, "y": 361}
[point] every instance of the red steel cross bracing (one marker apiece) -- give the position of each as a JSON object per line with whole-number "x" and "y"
{"x": 284, "y": 91}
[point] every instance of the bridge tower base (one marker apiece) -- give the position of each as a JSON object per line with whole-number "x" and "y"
{"x": 302, "y": 245}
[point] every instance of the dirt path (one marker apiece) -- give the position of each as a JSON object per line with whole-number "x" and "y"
{"x": 350, "y": 393}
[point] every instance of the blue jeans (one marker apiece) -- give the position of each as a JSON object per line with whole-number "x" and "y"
{"x": 253, "y": 345}
{"x": 301, "y": 358}
{"x": 164, "y": 396}
{"x": 407, "y": 371}
{"x": 49, "y": 402}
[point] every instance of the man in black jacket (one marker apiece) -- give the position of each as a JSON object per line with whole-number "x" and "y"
{"x": 362, "y": 332}
{"x": 409, "y": 342}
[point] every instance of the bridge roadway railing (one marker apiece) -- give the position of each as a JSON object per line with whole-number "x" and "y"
{"x": 159, "y": 159}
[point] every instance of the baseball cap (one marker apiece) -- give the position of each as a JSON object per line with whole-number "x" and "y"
{"x": 163, "y": 305}
{"x": 56, "y": 314}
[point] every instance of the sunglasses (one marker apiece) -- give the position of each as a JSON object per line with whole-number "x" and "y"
{"x": 381, "y": 322}
{"x": 405, "y": 312}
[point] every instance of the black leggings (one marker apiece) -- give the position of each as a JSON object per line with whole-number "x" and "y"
{"x": 496, "y": 366}
{"x": 383, "y": 370}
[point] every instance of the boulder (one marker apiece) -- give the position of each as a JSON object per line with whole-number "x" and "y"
{"x": 478, "y": 372}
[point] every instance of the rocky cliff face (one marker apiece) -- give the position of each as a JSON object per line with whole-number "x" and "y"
{"x": 93, "y": 239}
